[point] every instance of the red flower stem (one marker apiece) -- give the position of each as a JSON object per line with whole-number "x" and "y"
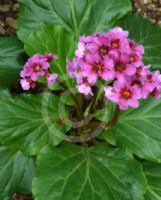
{"x": 94, "y": 101}
{"x": 114, "y": 119}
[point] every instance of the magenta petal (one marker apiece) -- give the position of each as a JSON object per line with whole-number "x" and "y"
{"x": 23, "y": 73}
{"x": 123, "y": 105}
{"x": 25, "y": 85}
{"x": 108, "y": 62}
{"x": 91, "y": 59}
{"x": 133, "y": 103}
{"x": 108, "y": 91}
{"x": 82, "y": 88}
{"x": 107, "y": 75}
{"x": 45, "y": 65}
{"x": 92, "y": 47}
{"x": 92, "y": 78}
{"x": 52, "y": 78}
{"x": 130, "y": 70}
{"x": 140, "y": 48}
{"x": 86, "y": 68}
{"x": 41, "y": 73}
{"x": 34, "y": 76}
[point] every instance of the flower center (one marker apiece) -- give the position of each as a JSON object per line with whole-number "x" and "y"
{"x": 37, "y": 68}
{"x": 85, "y": 51}
{"x": 28, "y": 79}
{"x": 119, "y": 66}
{"x": 133, "y": 58}
{"x": 31, "y": 82}
{"x": 138, "y": 71}
{"x": 98, "y": 67}
{"x": 149, "y": 78}
{"x": 115, "y": 43}
{"x": 85, "y": 81}
{"x": 155, "y": 93}
{"x": 138, "y": 83}
{"x": 132, "y": 45}
{"x": 78, "y": 70}
{"x": 103, "y": 50}
{"x": 126, "y": 93}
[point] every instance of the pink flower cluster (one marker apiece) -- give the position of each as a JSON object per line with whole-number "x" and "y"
{"x": 117, "y": 60}
{"x": 37, "y": 66}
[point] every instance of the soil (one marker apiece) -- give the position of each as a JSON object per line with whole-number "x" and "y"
{"x": 149, "y": 8}
{"x": 9, "y": 10}
{"x": 22, "y": 197}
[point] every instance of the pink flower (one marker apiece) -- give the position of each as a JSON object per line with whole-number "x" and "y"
{"x": 135, "y": 59}
{"x": 81, "y": 50}
{"x": 118, "y": 39}
{"x": 123, "y": 94}
{"x": 70, "y": 68}
{"x": 94, "y": 66}
{"x": 50, "y": 57}
{"x": 156, "y": 93}
{"x": 136, "y": 47}
{"x": 98, "y": 46}
{"x": 84, "y": 86}
{"x": 113, "y": 57}
{"x": 35, "y": 67}
{"x": 51, "y": 78}
{"x": 153, "y": 79}
{"x": 122, "y": 67}
{"x": 149, "y": 83}
{"x": 27, "y": 83}
{"x": 142, "y": 71}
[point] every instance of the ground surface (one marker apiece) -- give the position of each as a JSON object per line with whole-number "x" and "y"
{"x": 22, "y": 197}
{"x": 149, "y": 8}
{"x": 9, "y": 10}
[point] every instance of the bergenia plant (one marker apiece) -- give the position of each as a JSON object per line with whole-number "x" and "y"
{"x": 80, "y": 106}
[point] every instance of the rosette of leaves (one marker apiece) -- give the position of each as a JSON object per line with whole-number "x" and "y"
{"x": 120, "y": 163}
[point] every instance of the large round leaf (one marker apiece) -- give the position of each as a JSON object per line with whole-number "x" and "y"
{"x": 29, "y": 122}
{"x": 139, "y": 130}
{"x": 69, "y": 172}
{"x": 11, "y": 61}
{"x": 153, "y": 174}
{"x": 16, "y": 173}
{"x": 146, "y": 33}
{"x": 77, "y": 16}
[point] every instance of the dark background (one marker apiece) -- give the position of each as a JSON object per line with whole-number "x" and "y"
{"x": 9, "y": 10}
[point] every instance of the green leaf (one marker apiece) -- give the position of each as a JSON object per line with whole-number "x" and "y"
{"x": 139, "y": 130}
{"x": 66, "y": 98}
{"x": 146, "y": 33}
{"x": 28, "y": 122}
{"x": 10, "y": 61}
{"x": 77, "y": 16}
{"x": 105, "y": 114}
{"x": 53, "y": 39}
{"x": 153, "y": 174}
{"x": 16, "y": 173}
{"x": 87, "y": 173}
{"x": 102, "y": 114}
{"x": 4, "y": 92}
